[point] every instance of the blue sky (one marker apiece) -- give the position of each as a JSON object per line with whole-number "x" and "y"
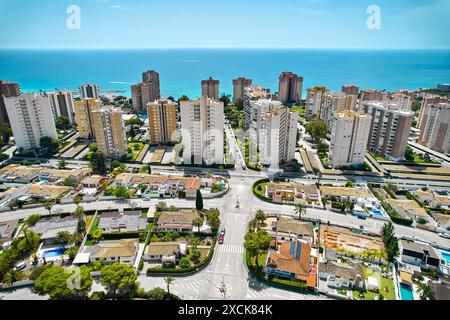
{"x": 225, "y": 23}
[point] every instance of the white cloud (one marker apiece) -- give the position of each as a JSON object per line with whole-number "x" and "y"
{"x": 119, "y": 7}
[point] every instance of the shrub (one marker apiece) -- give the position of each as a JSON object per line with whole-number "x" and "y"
{"x": 184, "y": 263}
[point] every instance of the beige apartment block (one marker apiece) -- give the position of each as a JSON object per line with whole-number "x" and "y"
{"x": 109, "y": 131}
{"x": 435, "y": 127}
{"x": 146, "y": 91}
{"x": 349, "y": 135}
{"x": 83, "y": 116}
{"x": 210, "y": 88}
{"x": 389, "y": 130}
{"x": 350, "y": 89}
{"x": 162, "y": 119}
{"x": 335, "y": 102}
{"x": 314, "y": 98}
{"x": 239, "y": 85}
{"x": 290, "y": 88}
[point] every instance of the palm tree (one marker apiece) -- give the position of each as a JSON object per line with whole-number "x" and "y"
{"x": 325, "y": 201}
{"x": 64, "y": 237}
{"x": 169, "y": 281}
{"x": 12, "y": 276}
{"x": 198, "y": 222}
{"x": 96, "y": 235}
{"x": 426, "y": 292}
{"x": 299, "y": 210}
{"x": 77, "y": 200}
{"x": 252, "y": 225}
{"x": 260, "y": 216}
{"x": 48, "y": 205}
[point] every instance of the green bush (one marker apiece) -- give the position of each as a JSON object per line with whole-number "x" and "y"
{"x": 184, "y": 263}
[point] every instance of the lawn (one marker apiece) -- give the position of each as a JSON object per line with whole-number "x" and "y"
{"x": 300, "y": 110}
{"x": 261, "y": 259}
{"x": 89, "y": 221}
{"x": 136, "y": 148}
{"x": 262, "y": 190}
{"x": 386, "y": 286}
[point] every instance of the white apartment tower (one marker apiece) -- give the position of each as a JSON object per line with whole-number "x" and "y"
{"x": 277, "y": 136}
{"x": 62, "y": 105}
{"x": 31, "y": 119}
{"x": 435, "y": 127}
{"x": 349, "y": 136}
{"x": 89, "y": 91}
{"x": 202, "y": 125}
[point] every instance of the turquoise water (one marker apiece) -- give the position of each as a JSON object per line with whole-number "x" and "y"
{"x": 54, "y": 253}
{"x": 446, "y": 256}
{"x": 43, "y": 180}
{"x": 377, "y": 213}
{"x": 182, "y": 70}
{"x": 406, "y": 292}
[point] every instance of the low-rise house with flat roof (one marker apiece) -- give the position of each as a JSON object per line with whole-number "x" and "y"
{"x": 165, "y": 252}
{"x": 441, "y": 290}
{"x": 419, "y": 254}
{"x": 287, "y": 228}
{"x": 59, "y": 175}
{"x": 48, "y": 228}
{"x": 18, "y": 173}
{"x": 408, "y": 209}
{"x": 180, "y": 220}
{"x": 297, "y": 193}
{"x": 345, "y": 193}
{"x": 433, "y": 199}
{"x": 123, "y": 251}
{"x": 94, "y": 181}
{"x": 294, "y": 260}
{"x": 116, "y": 222}
{"x": 46, "y": 191}
{"x": 7, "y": 229}
{"x": 342, "y": 275}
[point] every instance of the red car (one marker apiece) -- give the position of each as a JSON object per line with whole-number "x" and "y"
{"x": 221, "y": 237}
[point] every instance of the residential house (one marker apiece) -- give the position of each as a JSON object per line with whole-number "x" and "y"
{"x": 341, "y": 275}
{"x": 46, "y": 191}
{"x": 7, "y": 229}
{"x": 292, "y": 192}
{"x": 48, "y": 228}
{"x": 294, "y": 260}
{"x": 287, "y": 228}
{"x": 181, "y": 220}
{"x": 18, "y": 173}
{"x": 123, "y": 251}
{"x": 419, "y": 254}
{"x": 131, "y": 221}
{"x": 165, "y": 252}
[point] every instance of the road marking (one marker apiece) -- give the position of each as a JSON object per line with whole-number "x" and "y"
{"x": 231, "y": 248}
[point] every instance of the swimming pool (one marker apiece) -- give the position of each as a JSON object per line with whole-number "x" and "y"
{"x": 406, "y": 292}
{"x": 143, "y": 116}
{"x": 446, "y": 256}
{"x": 377, "y": 213}
{"x": 54, "y": 253}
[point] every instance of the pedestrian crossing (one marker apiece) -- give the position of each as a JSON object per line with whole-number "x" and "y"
{"x": 230, "y": 248}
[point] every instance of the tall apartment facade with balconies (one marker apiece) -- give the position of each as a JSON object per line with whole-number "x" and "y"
{"x": 109, "y": 131}
{"x": 389, "y": 129}
{"x": 314, "y": 99}
{"x": 277, "y": 136}
{"x": 162, "y": 119}
{"x": 62, "y": 105}
{"x": 349, "y": 136}
{"x": 31, "y": 119}
{"x": 435, "y": 127}
{"x": 89, "y": 91}
{"x": 202, "y": 125}
{"x": 290, "y": 88}
{"x": 350, "y": 89}
{"x": 334, "y": 102}
{"x": 7, "y": 89}
{"x": 210, "y": 88}
{"x": 239, "y": 85}
{"x": 252, "y": 94}
{"x": 83, "y": 117}
{"x": 146, "y": 91}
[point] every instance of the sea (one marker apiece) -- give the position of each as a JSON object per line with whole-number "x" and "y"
{"x": 181, "y": 70}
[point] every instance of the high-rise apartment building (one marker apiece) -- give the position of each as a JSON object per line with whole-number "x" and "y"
{"x": 146, "y": 91}
{"x": 333, "y": 102}
{"x": 349, "y": 136}
{"x": 314, "y": 99}
{"x": 350, "y": 89}
{"x": 62, "y": 104}
{"x": 290, "y": 88}
{"x": 162, "y": 121}
{"x": 252, "y": 94}
{"x": 202, "y": 125}
{"x": 253, "y": 114}
{"x": 427, "y": 100}
{"x": 435, "y": 127}
{"x": 109, "y": 131}
{"x": 7, "y": 89}
{"x": 277, "y": 136}
{"x": 210, "y": 88}
{"x": 83, "y": 117}
{"x": 89, "y": 91}
{"x": 239, "y": 85}
{"x": 389, "y": 129}
{"x": 31, "y": 119}
{"x": 372, "y": 95}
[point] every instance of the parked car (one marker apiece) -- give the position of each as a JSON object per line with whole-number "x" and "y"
{"x": 20, "y": 266}
{"x": 222, "y": 232}
{"x": 444, "y": 235}
{"x": 221, "y": 238}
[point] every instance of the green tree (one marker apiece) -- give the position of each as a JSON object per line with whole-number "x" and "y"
{"x": 134, "y": 122}
{"x": 71, "y": 252}
{"x": 64, "y": 237}
{"x": 12, "y": 276}
{"x": 33, "y": 219}
{"x": 98, "y": 163}
{"x": 169, "y": 281}
{"x": 118, "y": 279}
{"x": 49, "y": 145}
{"x": 97, "y": 235}
{"x": 62, "y": 123}
{"x": 213, "y": 219}
{"x": 409, "y": 154}
{"x": 3, "y": 157}
{"x": 317, "y": 129}
{"x": 198, "y": 222}
{"x": 199, "y": 200}
{"x": 156, "y": 293}
{"x": 260, "y": 216}
{"x": 299, "y": 210}
{"x": 349, "y": 184}
{"x": 5, "y": 133}
{"x": 48, "y": 205}
{"x": 225, "y": 99}
{"x": 426, "y": 292}
{"x": 251, "y": 244}
{"x": 390, "y": 241}
{"x": 184, "y": 263}
{"x": 183, "y": 98}
{"x": 121, "y": 192}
